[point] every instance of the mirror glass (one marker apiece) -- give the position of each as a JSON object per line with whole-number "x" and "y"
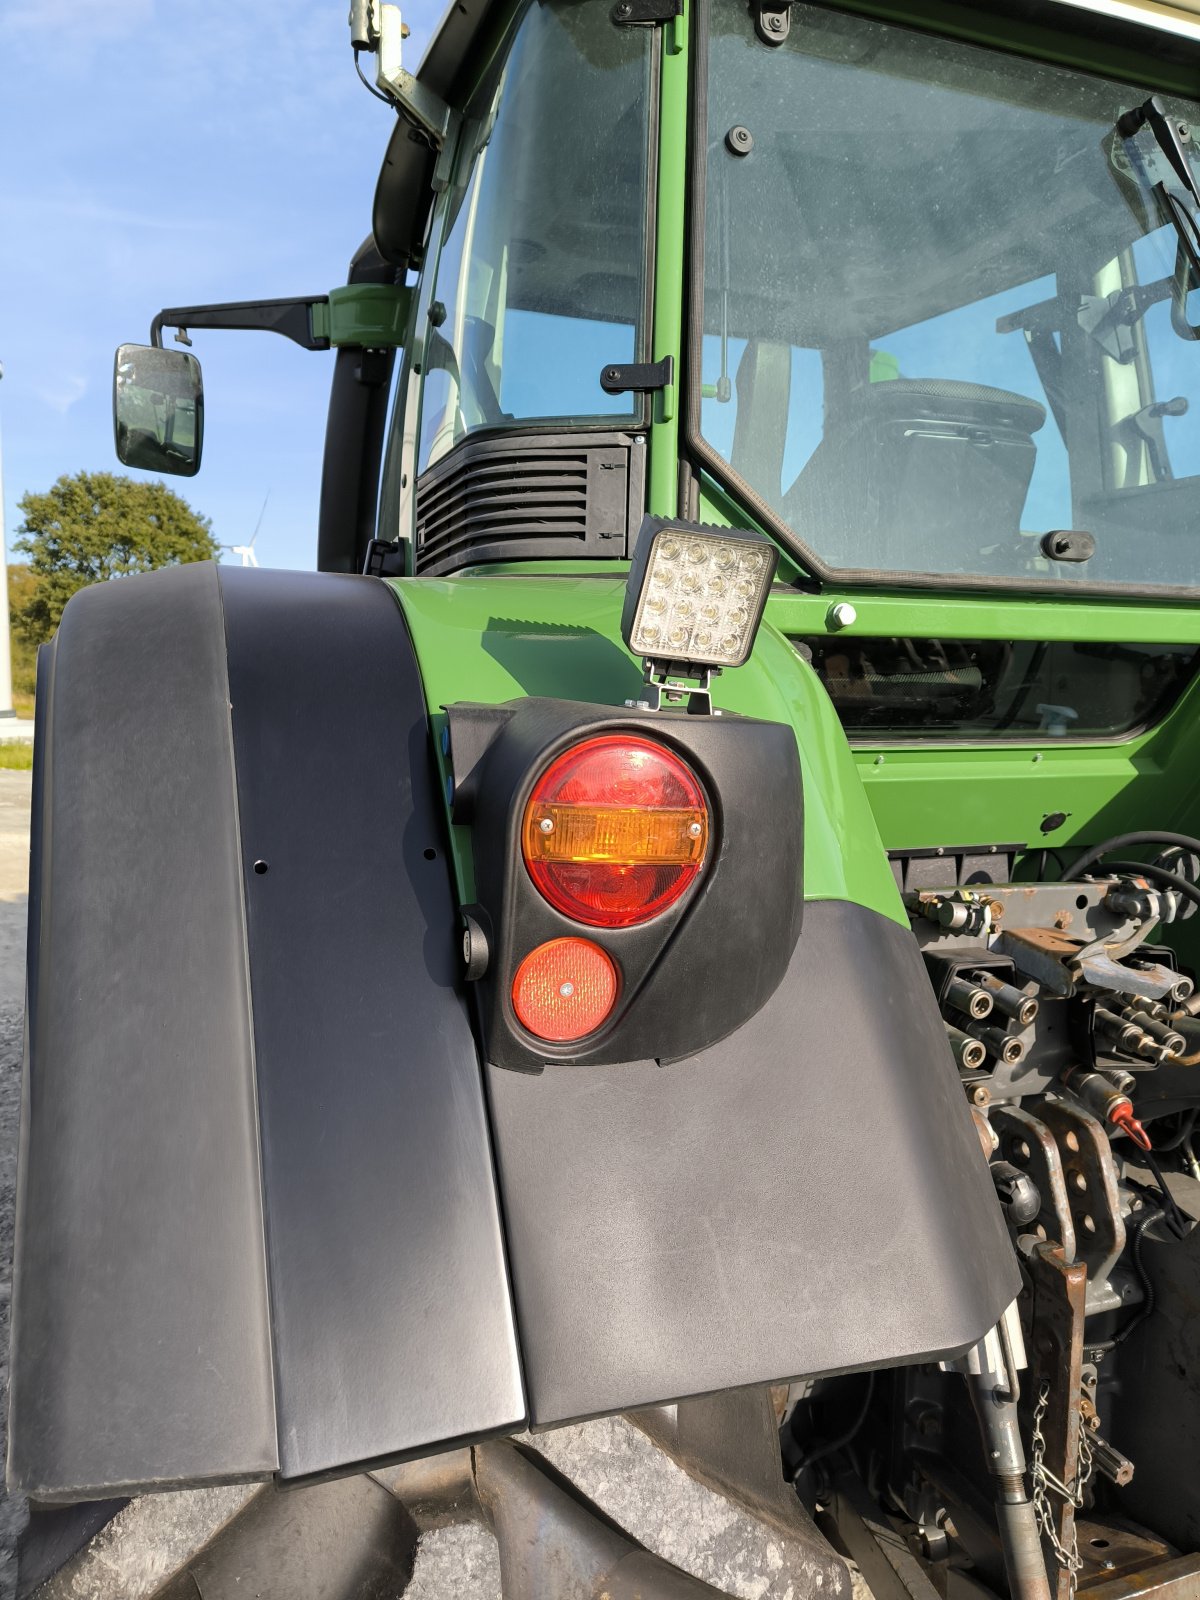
{"x": 158, "y": 409}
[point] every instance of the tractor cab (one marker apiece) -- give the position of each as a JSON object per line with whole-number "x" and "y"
{"x": 684, "y": 952}
{"x": 940, "y": 302}
{"x": 922, "y": 304}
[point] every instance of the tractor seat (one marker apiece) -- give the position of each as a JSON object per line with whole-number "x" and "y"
{"x": 918, "y": 475}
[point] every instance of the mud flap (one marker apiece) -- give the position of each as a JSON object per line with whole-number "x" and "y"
{"x": 257, "y": 1223}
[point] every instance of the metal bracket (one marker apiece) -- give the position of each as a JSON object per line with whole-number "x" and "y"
{"x": 294, "y": 319}
{"x": 645, "y": 13}
{"x": 773, "y": 20}
{"x": 366, "y": 316}
{"x": 385, "y": 559}
{"x": 639, "y": 377}
{"x": 670, "y": 686}
{"x": 380, "y": 29}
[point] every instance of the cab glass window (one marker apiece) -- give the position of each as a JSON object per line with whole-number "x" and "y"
{"x": 945, "y": 311}
{"x": 541, "y": 280}
{"x": 892, "y": 690}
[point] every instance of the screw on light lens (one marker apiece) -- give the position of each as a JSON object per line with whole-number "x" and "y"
{"x": 564, "y": 990}
{"x": 630, "y": 831}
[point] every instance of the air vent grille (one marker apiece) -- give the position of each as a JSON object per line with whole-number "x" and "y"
{"x": 550, "y": 496}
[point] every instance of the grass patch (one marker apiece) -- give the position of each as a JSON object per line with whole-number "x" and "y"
{"x": 16, "y": 755}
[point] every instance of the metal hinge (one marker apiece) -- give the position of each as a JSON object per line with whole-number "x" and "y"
{"x": 385, "y": 559}
{"x": 640, "y": 377}
{"x": 772, "y": 20}
{"x": 645, "y": 13}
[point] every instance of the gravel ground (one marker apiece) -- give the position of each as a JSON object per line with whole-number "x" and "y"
{"x": 14, "y": 879}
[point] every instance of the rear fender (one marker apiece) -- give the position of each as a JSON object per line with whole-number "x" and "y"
{"x": 257, "y": 1221}
{"x": 258, "y": 1225}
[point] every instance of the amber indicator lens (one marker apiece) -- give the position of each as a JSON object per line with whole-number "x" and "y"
{"x": 615, "y": 831}
{"x": 564, "y": 990}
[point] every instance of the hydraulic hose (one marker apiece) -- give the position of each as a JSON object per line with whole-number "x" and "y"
{"x": 1183, "y": 841}
{"x": 1169, "y": 880}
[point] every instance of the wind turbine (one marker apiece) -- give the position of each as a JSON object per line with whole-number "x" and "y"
{"x": 246, "y": 551}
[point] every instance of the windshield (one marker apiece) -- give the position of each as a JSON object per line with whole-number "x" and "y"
{"x": 942, "y": 316}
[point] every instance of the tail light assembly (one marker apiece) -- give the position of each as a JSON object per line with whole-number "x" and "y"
{"x": 637, "y": 876}
{"x": 615, "y": 831}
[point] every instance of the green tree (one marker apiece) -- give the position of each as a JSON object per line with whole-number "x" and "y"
{"x": 92, "y": 526}
{"x": 21, "y": 586}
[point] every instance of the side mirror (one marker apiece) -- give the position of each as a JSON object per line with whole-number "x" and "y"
{"x": 158, "y": 409}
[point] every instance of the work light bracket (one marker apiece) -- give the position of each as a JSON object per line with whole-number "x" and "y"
{"x": 674, "y": 686}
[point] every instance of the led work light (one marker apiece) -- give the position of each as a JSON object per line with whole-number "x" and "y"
{"x": 693, "y": 603}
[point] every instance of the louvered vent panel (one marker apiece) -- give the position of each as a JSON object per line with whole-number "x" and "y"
{"x": 527, "y": 496}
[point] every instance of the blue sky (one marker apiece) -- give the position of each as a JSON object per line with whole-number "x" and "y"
{"x": 174, "y": 152}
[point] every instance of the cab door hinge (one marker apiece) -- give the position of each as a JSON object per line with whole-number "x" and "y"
{"x": 772, "y": 20}
{"x": 645, "y": 13}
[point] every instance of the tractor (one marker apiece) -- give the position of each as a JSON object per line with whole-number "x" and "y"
{"x": 646, "y": 1012}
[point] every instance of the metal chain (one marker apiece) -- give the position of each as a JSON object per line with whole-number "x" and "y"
{"x": 1043, "y": 1480}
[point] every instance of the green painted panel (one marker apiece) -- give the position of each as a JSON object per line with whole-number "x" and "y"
{"x": 670, "y": 264}
{"x": 495, "y": 639}
{"x": 932, "y": 615}
{"x": 940, "y": 793}
{"x": 368, "y": 316}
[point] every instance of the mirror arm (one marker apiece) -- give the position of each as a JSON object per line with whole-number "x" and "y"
{"x": 292, "y": 318}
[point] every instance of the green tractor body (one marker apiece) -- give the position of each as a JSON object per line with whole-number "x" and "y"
{"x": 859, "y": 345}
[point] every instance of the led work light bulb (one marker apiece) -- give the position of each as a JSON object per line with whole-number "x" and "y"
{"x": 696, "y": 594}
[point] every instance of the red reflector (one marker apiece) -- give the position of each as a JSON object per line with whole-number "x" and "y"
{"x": 564, "y": 990}
{"x": 615, "y": 831}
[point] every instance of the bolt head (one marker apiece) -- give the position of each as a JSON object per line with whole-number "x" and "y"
{"x": 841, "y": 615}
{"x": 775, "y": 22}
{"x": 546, "y": 825}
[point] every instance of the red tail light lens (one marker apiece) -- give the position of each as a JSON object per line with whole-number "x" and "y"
{"x": 615, "y": 831}
{"x": 564, "y": 990}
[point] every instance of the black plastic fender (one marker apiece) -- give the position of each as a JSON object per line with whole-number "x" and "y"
{"x": 258, "y": 1230}
{"x": 806, "y": 1196}
{"x": 257, "y": 1223}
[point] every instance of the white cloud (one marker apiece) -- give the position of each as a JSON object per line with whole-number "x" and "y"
{"x": 61, "y": 392}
